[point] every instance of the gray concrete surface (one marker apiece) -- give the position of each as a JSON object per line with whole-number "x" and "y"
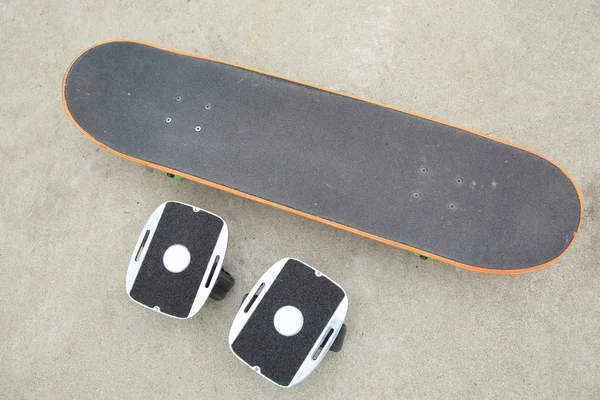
{"x": 527, "y": 72}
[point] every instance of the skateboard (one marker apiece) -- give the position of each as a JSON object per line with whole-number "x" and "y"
{"x": 285, "y": 324}
{"x": 177, "y": 262}
{"x": 288, "y": 322}
{"x": 410, "y": 181}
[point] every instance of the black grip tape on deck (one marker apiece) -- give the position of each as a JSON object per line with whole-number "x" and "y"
{"x": 174, "y": 293}
{"x": 390, "y": 174}
{"x": 259, "y": 343}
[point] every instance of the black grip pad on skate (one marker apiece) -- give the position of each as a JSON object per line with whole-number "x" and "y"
{"x": 259, "y": 344}
{"x": 174, "y": 293}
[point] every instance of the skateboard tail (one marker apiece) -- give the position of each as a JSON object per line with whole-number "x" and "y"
{"x": 315, "y": 217}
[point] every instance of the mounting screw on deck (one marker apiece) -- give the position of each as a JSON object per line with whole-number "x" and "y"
{"x": 198, "y": 128}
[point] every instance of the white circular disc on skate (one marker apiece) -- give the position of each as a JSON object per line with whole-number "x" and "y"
{"x": 177, "y": 258}
{"x": 288, "y": 320}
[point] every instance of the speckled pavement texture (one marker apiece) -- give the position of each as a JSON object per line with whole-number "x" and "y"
{"x": 524, "y": 72}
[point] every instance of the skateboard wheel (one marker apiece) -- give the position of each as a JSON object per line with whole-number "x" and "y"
{"x": 288, "y": 322}
{"x": 224, "y": 283}
{"x": 421, "y": 256}
{"x": 177, "y": 261}
{"x": 177, "y": 177}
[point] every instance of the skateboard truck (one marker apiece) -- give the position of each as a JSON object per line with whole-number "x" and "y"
{"x": 177, "y": 261}
{"x": 288, "y": 321}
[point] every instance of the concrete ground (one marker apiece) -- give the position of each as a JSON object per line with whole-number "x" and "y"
{"x": 525, "y": 72}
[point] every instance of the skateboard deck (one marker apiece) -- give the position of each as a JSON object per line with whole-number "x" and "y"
{"x": 410, "y": 181}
